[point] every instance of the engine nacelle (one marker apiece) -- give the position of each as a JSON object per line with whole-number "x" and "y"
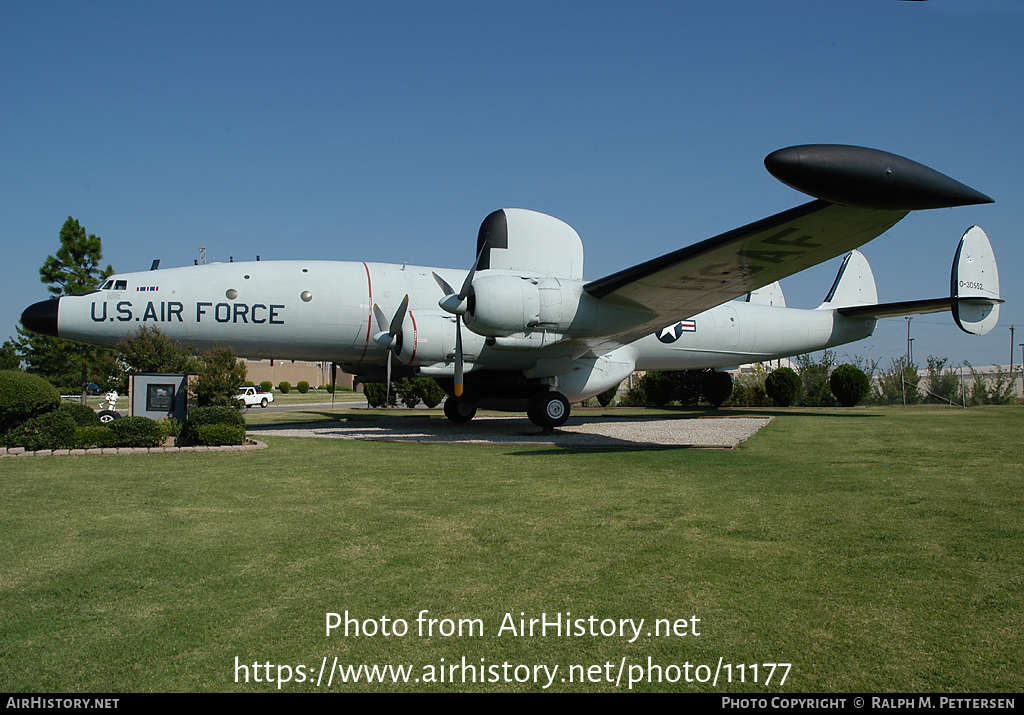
{"x": 503, "y": 304}
{"x": 427, "y": 338}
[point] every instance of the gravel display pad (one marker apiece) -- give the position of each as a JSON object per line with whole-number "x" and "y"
{"x": 632, "y": 432}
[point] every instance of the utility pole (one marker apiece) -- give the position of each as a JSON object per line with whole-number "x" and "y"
{"x": 909, "y": 341}
{"x": 1011, "y": 349}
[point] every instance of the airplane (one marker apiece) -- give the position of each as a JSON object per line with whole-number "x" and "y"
{"x": 524, "y": 331}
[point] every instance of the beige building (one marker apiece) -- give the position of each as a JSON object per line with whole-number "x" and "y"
{"x": 293, "y": 371}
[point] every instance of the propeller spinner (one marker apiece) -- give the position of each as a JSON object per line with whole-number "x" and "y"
{"x": 457, "y": 304}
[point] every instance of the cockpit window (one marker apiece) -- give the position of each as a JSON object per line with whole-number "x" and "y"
{"x": 121, "y": 285}
{"x": 108, "y": 285}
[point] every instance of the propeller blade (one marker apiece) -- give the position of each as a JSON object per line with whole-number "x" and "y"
{"x": 382, "y": 321}
{"x": 458, "y": 356}
{"x": 396, "y": 322}
{"x": 468, "y": 283}
{"x": 443, "y": 284}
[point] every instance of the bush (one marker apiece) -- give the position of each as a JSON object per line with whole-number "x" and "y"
{"x": 715, "y": 387}
{"x": 606, "y": 397}
{"x": 220, "y": 376}
{"x": 51, "y": 430}
{"x": 23, "y": 396}
{"x": 266, "y": 386}
{"x": 137, "y": 432}
{"x": 303, "y": 387}
{"x": 849, "y": 385}
{"x": 899, "y": 384}
{"x": 376, "y": 394}
{"x": 218, "y": 434}
{"x": 285, "y": 387}
{"x": 83, "y": 415}
{"x": 817, "y": 391}
{"x": 783, "y": 386}
{"x": 95, "y": 437}
{"x": 211, "y": 415}
{"x": 329, "y": 388}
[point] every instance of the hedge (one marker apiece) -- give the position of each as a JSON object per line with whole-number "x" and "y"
{"x": 23, "y": 396}
{"x": 218, "y": 434}
{"x": 211, "y": 415}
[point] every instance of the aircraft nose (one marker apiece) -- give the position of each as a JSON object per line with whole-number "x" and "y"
{"x": 41, "y": 317}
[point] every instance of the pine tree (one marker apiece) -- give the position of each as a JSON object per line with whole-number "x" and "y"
{"x": 74, "y": 269}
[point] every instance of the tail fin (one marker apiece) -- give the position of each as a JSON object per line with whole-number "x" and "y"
{"x": 974, "y": 290}
{"x": 770, "y": 294}
{"x": 974, "y": 284}
{"x": 854, "y": 284}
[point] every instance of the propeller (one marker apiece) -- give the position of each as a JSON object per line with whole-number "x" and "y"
{"x": 457, "y": 304}
{"x": 390, "y": 334}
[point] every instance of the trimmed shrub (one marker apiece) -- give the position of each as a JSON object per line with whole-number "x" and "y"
{"x": 783, "y": 386}
{"x": 52, "y": 430}
{"x": 606, "y": 397}
{"x": 715, "y": 387}
{"x": 137, "y": 432}
{"x": 849, "y": 385}
{"x": 93, "y": 437}
{"x": 266, "y": 386}
{"x": 376, "y": 394}
{"x": 302, "y": 387}
{"x": 23, "y": 396}
{"x": 218, "y": 434}
{"x": 212, "y": 415}
{"x": 656, "y": 388}
{"x": 83, "y": 415}
{"x": 285, "y": 387}
{"x": 431, "y": 392}
{"x": 329, "y": 388}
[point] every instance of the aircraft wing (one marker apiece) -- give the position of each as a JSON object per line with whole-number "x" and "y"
{"x": 860, "y": 192}
{"x": 681, "y": 284}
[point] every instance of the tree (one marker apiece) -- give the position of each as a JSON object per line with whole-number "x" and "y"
{"x": 149, "y": 350}
{"x": 76, "y": 266}
{"x": 899, "y": 384}
{"x": 783, "y": 386}
{"x": 815, "y": 376}
{"x": 74, "y": 269}
{"x": 9, "y": 359}
{"x": 220, "y": 376}
{"x": 943, "y": 384}
{"x": 849, "y": 384}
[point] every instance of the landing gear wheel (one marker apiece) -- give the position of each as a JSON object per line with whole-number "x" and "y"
{"x": 548, "y": 409}
{"x": 109, "y": 416}
{"x": 458, "y": 411}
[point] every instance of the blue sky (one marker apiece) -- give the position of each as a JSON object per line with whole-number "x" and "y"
{"x": 386, "y": 131}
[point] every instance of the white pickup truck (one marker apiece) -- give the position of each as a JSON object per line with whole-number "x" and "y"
{"x": 252, "y": 397}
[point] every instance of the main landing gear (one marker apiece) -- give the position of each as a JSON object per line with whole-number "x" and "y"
{"x": 458, "y": 411}
{"x": 548, "y": 409}
{"x": 545, "y": 409}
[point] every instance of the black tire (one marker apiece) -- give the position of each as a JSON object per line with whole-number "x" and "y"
{"x": 109, "y": 416}
{"x": 548, "y": 409}
{"x": 263, "y": 402}
{"x": 458, "y": 411}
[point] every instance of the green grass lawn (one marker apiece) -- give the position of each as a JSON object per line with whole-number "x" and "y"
{"x": 874, "y": 550}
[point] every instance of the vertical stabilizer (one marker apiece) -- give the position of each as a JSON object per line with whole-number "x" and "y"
{"x": 770, "y": 294}
{"x": 974, "y": 284}
{"x": 854, "y": 284}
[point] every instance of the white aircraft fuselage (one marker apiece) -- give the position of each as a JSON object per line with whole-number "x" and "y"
{"x": 526, "y": 330}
